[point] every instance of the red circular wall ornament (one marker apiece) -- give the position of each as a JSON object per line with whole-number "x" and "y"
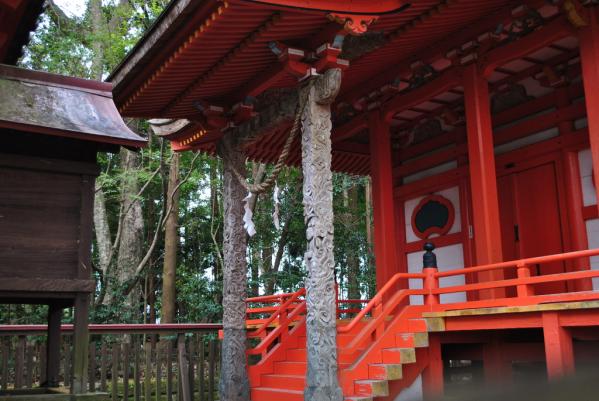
{"x": 434, "y": 214}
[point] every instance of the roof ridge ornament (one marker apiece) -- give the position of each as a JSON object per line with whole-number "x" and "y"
{"x": 352, "y": 23}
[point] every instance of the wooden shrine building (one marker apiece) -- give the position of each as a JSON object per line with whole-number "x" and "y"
{"x": 52, "y": 128}
{"x": 478, "y": 123}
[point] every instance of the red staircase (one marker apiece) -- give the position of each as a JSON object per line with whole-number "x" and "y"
{"x": 383, "y": 349}
{"x": 378, "y": 346}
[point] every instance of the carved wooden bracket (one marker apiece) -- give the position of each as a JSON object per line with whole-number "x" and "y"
{"x": 353, "y": 24}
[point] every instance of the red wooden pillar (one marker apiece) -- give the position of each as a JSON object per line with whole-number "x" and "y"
{"x": 381, "y": 172}
{"x": 589, "y": 55}
{"x": 578, "y": 231}
{"x": 432, "y": 376}
{"x": 559, "y": 352}
{"x": 483, "y": 179}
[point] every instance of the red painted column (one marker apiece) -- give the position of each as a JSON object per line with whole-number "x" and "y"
{"x": 432, "y": 377}
{"x": 381, "y": 172}
{"x": 589, "y": 55}
{"x": 578, "y": 231}
{"x": 483, "y": 179}
{"x": 559, "y": 352}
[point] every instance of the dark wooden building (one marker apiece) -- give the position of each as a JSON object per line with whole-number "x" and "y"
{"x": 52, "y": 128}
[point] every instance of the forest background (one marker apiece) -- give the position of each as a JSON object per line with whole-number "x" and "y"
{"x": 157, "y": 250}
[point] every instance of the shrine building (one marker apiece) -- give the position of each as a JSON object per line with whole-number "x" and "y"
{"x": 478, "y": 123}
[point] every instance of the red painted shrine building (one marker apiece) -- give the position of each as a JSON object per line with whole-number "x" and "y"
{"x": 478, "y": 122}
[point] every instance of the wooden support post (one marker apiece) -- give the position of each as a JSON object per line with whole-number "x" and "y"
{"x": 589, "y": 56}
{"x": 430, "y": 270}
{"x": 483, "y": 179}
{"x": 81, "y": 344}
{"x": 322, "y": 383}
{"x": 53, "y": 346}
{"x": 381, "y": 172}
{"x": 433, "y": 381}
{"x": 496, "y": 370}
{"x": 559, "y": 351}
{"x": 183, "y": 368}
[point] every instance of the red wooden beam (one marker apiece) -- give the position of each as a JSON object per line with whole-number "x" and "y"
{"x": 290, "y": 64}
{"x": 366, "y": 7}
{"x": 448, "y": 80}
{"x": 350, "y": 129}
{"x": 434, "y": 52}
{"x": 552, "y": 32}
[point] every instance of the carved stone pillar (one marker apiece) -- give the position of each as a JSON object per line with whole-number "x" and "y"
{"x": 321, "y": 322}
{"x": 234, "y": 383}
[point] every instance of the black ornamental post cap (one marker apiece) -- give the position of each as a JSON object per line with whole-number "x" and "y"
{"x": 429, "y": 259}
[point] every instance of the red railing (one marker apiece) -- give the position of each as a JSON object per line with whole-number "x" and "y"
{"x": 288, "y": 309}
{"x": 390, "y": 303}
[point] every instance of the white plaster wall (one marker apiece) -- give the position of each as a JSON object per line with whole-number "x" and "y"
{"x": 441, "y": 168}
{"x": 448, "y": 258}
{"x": 585, "y": 163}
{"x": 527, "y": 140}
{"x": 452, "y": 194}
{"x": 593, "y": 237}
{"x": 412, "y": 393}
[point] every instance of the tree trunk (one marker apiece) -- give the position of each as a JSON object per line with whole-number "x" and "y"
{"x": 97, "y": 66}
{"x": 368, "y": 217}
{"x": 321, "y": 322}
{"x": 102, "y": 229}
{"x": 255, "y": 269}
{"x": 130, "y": 250}
{"x": 353, "y": 259}
{"x": 171, "y": 244}
{"x": 234, "y": 383}
{"x": 215, "y": 229}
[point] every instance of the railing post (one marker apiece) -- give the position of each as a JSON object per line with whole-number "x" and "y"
{"x": 429, "y": 268}
{"x": 524, "y": 290}
{"x": 337, "y": 308}
{"x": 376, "y": 312}
{"x": 283, "y": 320}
